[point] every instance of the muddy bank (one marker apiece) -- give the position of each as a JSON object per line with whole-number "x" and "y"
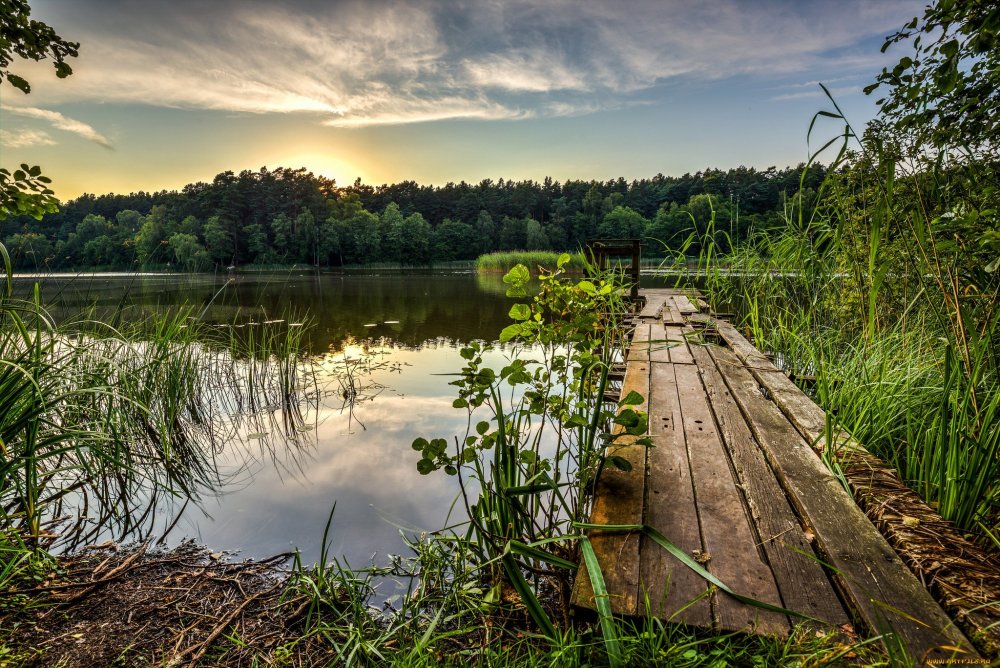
{"x": 108, "y": 606}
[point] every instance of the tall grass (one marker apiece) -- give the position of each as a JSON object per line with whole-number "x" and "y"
{"x": 450, "y": 615}
{"x": 98, "y": 423}
{"x": 878, "y": 288}
{"x": 504, "y": 261}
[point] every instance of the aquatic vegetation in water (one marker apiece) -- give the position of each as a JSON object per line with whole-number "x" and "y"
{"x": 100, "y": 423}
{"x": 502, "y": 262}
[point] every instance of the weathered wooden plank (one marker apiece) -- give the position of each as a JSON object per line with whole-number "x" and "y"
{"x": 680, "y": 352}
{"x": 670, "y": 509}
{"x": 654, "y": 305}
{"x": 802, "y": 582}
{"x": 881, "y": 494}
{"x": 659, "y": 345}
{"x": 684, "y": 305}
{"x": 618, "y": 499}
{"x": 877, "y": 584}
{"x": 746, "y": 351}
{"x": 671, "y": 315}
{"x": 639, "y": 349}
{"x": 727, "y": 535}
{"x": 801, "y": 411}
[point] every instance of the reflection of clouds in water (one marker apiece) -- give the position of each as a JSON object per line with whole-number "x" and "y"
{"x": 369, "y": 473}
{"x": 360, "y": 475}
{"x": 376, "y": 454}
{"x": 388, "y": 421}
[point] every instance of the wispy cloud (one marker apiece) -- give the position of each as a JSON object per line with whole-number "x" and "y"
{"x": 25, "y": 138}
{"x": 535, "y": 70}
{"x": 815, "y": 92}
{"x": 60, "y": 122}
{"x": 363, "y": 63}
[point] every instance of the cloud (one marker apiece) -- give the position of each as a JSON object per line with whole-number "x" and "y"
{"x": 60, "y": 122}
{"x": 534, "y": 70}
{"x": 25, "y": 138}
{"x": 358, "y": 63}
{"x": 816, "y": 92}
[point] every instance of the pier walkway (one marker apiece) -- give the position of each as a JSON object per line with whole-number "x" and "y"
{"x": 733, "y": 479}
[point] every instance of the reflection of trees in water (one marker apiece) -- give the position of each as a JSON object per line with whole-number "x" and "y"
{"x": 425, "y": 307}
{"x": 233, "y": 408}
{"x": 460, "y": 307}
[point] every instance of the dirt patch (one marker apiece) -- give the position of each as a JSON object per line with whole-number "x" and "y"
{"x": 107, "y": 606}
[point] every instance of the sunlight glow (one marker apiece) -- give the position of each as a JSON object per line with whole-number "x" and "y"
{"x": 330, "y": 166}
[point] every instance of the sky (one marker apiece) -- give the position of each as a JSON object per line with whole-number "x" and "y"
{"x": 169, "y": 93}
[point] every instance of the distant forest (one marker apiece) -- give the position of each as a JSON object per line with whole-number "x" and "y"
{"x": 290, "y": 216}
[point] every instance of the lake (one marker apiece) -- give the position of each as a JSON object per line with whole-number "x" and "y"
{"x": 391, "y": 338}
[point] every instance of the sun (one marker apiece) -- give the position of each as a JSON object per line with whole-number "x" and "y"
{"x": 342, "y": 171}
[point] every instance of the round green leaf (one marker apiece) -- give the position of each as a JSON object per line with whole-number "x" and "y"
{"x": 520, "y": 312}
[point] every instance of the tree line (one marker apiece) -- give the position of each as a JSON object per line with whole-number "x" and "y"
{"x": 291, "y": 216}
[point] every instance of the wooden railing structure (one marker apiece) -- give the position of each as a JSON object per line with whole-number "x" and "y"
{"x": 599, "y": 252}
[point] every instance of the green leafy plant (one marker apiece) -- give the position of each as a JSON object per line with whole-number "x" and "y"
{"x": 546, "y": 429}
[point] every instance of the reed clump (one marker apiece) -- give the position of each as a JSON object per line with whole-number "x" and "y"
{"x": 100, "y": 422}
{"x": 502, "y": 262}
{"x": 883, "y": 287}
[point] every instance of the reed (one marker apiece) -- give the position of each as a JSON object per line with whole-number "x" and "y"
{"x": 502, "y": 262}
{"x": 876, "y": 288}
{"x": 99, "y": 423}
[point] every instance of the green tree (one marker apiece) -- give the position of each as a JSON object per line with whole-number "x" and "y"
{"x": 281, "y": 235}
{"x": 362, "y": 236}
{"x": 330, "y": 250}
{"x": 190, "y": 254}
{"x": 218, "y": 243}
{"x": 390, "y": 223}
{"x": 25, "y": 191}
{"x": 413, "y": 239}
{"x": 534, "y": 235}
{"x": 256, "y": 237}
{"x": 669, "y": 227}
{"x": 513, "y": 234}
{"x": 946, "y": 93}
{"x": 486, "y": 231}
{"x": 555, "y": 232}
{"x": 622, "y": 223}
{"x": 101, "y": 251}
{"x": 306, "y": 238}
{"x": 91, "y": 244}
{"x": 454, "y": 240}
{"x": 128, "y": 221}
{"x": 30, "y": 249}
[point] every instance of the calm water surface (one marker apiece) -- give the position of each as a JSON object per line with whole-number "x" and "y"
{"x": 399, "y": 334}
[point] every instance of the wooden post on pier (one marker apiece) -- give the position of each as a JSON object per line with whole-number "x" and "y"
{"x": 599, "y": 251}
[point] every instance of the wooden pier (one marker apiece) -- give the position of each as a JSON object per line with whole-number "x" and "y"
{"x": 733, "y": 480}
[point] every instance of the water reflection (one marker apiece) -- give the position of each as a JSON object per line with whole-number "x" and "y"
{"x": 382, "y": 349}
{"x": 362, "y": 461}
{"x": 408, "y": 309}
